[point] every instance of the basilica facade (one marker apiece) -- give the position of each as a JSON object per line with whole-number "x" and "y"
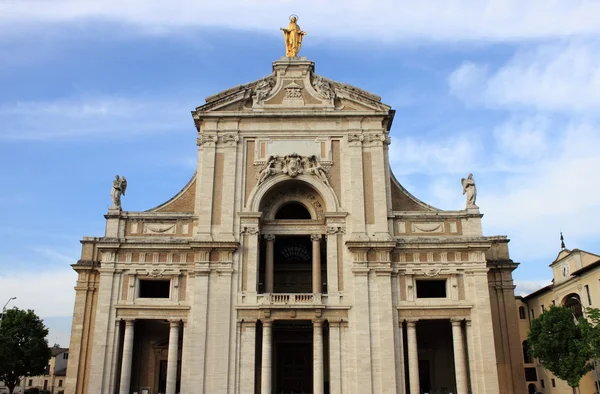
{"x": 294, "y": 262}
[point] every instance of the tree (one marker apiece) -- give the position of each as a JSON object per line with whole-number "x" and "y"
{"x": 561, "y": 344}
{"x": 23, "y": 346}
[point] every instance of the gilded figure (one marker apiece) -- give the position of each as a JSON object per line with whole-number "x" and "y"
{"x": 293, "y": 37}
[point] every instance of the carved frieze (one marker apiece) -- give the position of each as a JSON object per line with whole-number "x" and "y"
{"x": 159, "y": 228}
{"x": 293, "y": 165}
{"x": 208, "y": 140}
{"x": 428, "y": 227}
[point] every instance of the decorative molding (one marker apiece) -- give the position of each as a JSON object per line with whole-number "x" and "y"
{"x": 428, "y": 227}
{"x": 252, "y": 230}
{"x": 293, "y": 165}
{"x": 356, "y": 138}
{"x": 269, "y": 237}
{"x": 208, "y": 140}
{"x": 432, "y": 272}
{"x": 230, "y": 139}
{"x": 315, "y": 237}
{"x": 336, "y": 230}
{"x": 159, "y": 228}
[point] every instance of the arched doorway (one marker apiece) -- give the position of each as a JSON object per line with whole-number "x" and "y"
{"x": 531, "y": 389}
{"x": 573, "y": 301}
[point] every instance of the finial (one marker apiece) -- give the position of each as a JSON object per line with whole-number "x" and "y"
{"x": 562, "y": 241}
{"x": 292, "y": 36}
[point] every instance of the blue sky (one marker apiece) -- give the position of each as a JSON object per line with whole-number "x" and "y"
{"x": 506, "y": 89}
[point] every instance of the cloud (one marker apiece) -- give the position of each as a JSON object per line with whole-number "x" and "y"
{"x": 559, "y": 77}
{"x": 99, "y": 117}
{"x": 526, "y": 287}
{"x": 525, "y": 138}
{"x": 389, "y": 20}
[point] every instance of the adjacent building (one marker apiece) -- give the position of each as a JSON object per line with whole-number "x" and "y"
{"x": 54, "y": 377}
{"x": 294, "y": 262}
{"x": 575, "y": 284}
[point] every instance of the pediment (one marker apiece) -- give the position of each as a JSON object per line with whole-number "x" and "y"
{"x": 293, "y": 85}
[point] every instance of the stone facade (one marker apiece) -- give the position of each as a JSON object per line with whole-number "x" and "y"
{"x": 576, "y": 284}
{"x": 294, "y": 261}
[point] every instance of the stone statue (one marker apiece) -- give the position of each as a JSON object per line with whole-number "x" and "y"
{"x": 271, "y": 168}
{"x": 469, "y": 190}
{"x": 119, "y": 187}
{"x": 315, "y": 168}
{"x": 323, "y": 87}
{"x": 293, "y": 37}
{"x": 293, "y": 165}
{"x": 263, "y": 88}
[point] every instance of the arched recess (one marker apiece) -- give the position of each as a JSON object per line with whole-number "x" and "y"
{"x": 573, "y": 301}
{"x": 330, "y": 201}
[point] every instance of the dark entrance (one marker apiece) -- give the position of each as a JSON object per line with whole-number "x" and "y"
{"x": 293, "y": 356}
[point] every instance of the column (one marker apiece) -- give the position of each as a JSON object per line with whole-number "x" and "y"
{"x": 127, "y": 358}
{"x": 459, "y": 357}
{"x": 267, "y": 358}
{"x": 335, "y": 357}
{"x": 413, "y": 357}
{"x": 270, "y": 238}
{"x": 316, "y": 263}
{"x": 318, "y": 383}
{"x": 470, "y": 352}
{"x": 172, "y": 357}
{"x": 247, "y": 359}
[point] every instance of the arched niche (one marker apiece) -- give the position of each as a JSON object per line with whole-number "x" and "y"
{"x": 261, "y": 198}
{"x": 573, "y": 301}
{"x": 292, "y": 193}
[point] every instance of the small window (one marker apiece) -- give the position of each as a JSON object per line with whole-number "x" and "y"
{"x": 553, "y": 302}
{"x": 522, "y": 313}
{"x": 532, "y": 314}
{"x": 30, "y": 383}
{"x": 155, "y": 288}
{"x": 65, "y": 356}
{"x": 553, "y": 383}
{"x": 542, "y": 383}
{"x": 543, "y": 309}
{"x": 60, "y": 383}
{"x": 431, "y": 288}
{"x": 589, "y": 297}
{"x": 530, "y": 375}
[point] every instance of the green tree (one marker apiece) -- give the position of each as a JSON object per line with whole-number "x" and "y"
{"x": 23, "y": 346}
{"x": 561, "y": 344}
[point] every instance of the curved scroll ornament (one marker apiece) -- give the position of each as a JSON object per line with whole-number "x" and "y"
{"x": 293, "y": 165}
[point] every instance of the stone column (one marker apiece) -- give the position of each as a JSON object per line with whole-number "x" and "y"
{"x": 316, "y": 263}
{"x": 247, "y": 359}
{"x": 471, "y": 352}
{"x": 318, "y": 384}
{"x": 270, "y": 238}
{"x": 127, "y": 358}
{"x": 459, "y": 357}
{"x": 413, "y": 357}
{"x": 267, "y": 358}
{"x": 335, "y": 357}
{"x": 172, "y": 357}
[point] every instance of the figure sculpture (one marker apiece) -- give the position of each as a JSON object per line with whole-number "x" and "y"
{"x": 119, "y": 187}
{"x": 469, "y": 190}
{"x": 293, "y": 165}
{"x": 322, "y": 87}
{"x": 263, "y": 88}
{"x": 293, "y": 37}
{"x": 271, "y": 168}
{"x": 315, "y": 168}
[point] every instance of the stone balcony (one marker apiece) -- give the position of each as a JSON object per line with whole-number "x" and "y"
{"x": 292, "y": 300}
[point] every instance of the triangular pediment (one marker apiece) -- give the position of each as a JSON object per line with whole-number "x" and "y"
{"x": 293, "y": 85}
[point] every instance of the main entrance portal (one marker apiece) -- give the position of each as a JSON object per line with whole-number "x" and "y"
{"x": 293, "y": 356}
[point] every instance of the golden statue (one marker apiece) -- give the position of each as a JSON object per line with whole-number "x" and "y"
{"x": 293, "y": 37}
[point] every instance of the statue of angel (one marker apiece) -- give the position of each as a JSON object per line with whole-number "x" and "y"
{"x": 119, "y": 187}
{"x": 469, "y": 190}
{"x": 263, "y": 88}
{"x": 270, "y": 168}
{"x": 315, "y": 168}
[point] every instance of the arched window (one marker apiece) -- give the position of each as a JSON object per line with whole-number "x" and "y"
{"x": 522, "y": 315}
{"x": 293, "y": 210}
{"x": 531, "y": 389}
{"x": 573, "y": 301}
{"x": 526, "y": 356}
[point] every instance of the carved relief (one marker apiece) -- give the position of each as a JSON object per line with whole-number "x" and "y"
{"x": 356, "y": 138}
{"x": 323, "y": 88}
{"x": 159, "y": 228}
{"x": 293, "y": 91}
{"x": 208, "y": 140}
{"x": 263, "y": 89}
{"x": 336, "y": 230}
{"x": 230, "y": 139}
{"x": 428, "y": 227}
{"x": 293, "y": 165}
{"x": 252, "y": 230}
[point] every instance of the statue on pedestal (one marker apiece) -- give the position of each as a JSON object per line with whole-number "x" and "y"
{"x": 469, "y": 190}
{"x": 118, "y": 189}
{"x": 293, "y": 37}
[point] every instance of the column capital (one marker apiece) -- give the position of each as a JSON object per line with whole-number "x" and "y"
{"x": 269, "y": 237}
{"x": 129, "y": 321}
{"x": 456, "y": 321}
{"x": 316, "y": 237}
{"x": 174, "y": 322}
{"x": 267, "y": 322}
{"x": 468, "y": 322}
{"x": 317, "y": 322}
{"x": 411, "y": 322}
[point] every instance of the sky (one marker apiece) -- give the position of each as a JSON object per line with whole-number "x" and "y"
{"x": 508, "y": 90}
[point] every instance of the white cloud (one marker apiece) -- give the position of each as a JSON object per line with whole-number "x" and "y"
{"x": 389, "y": 20}
{"x": 561, "y": 77}
{"x": 48, "y": 293}
{"x": 98, "y": 117}
{"x": 526, "y": 287}
{"x": 524, "y": 138}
